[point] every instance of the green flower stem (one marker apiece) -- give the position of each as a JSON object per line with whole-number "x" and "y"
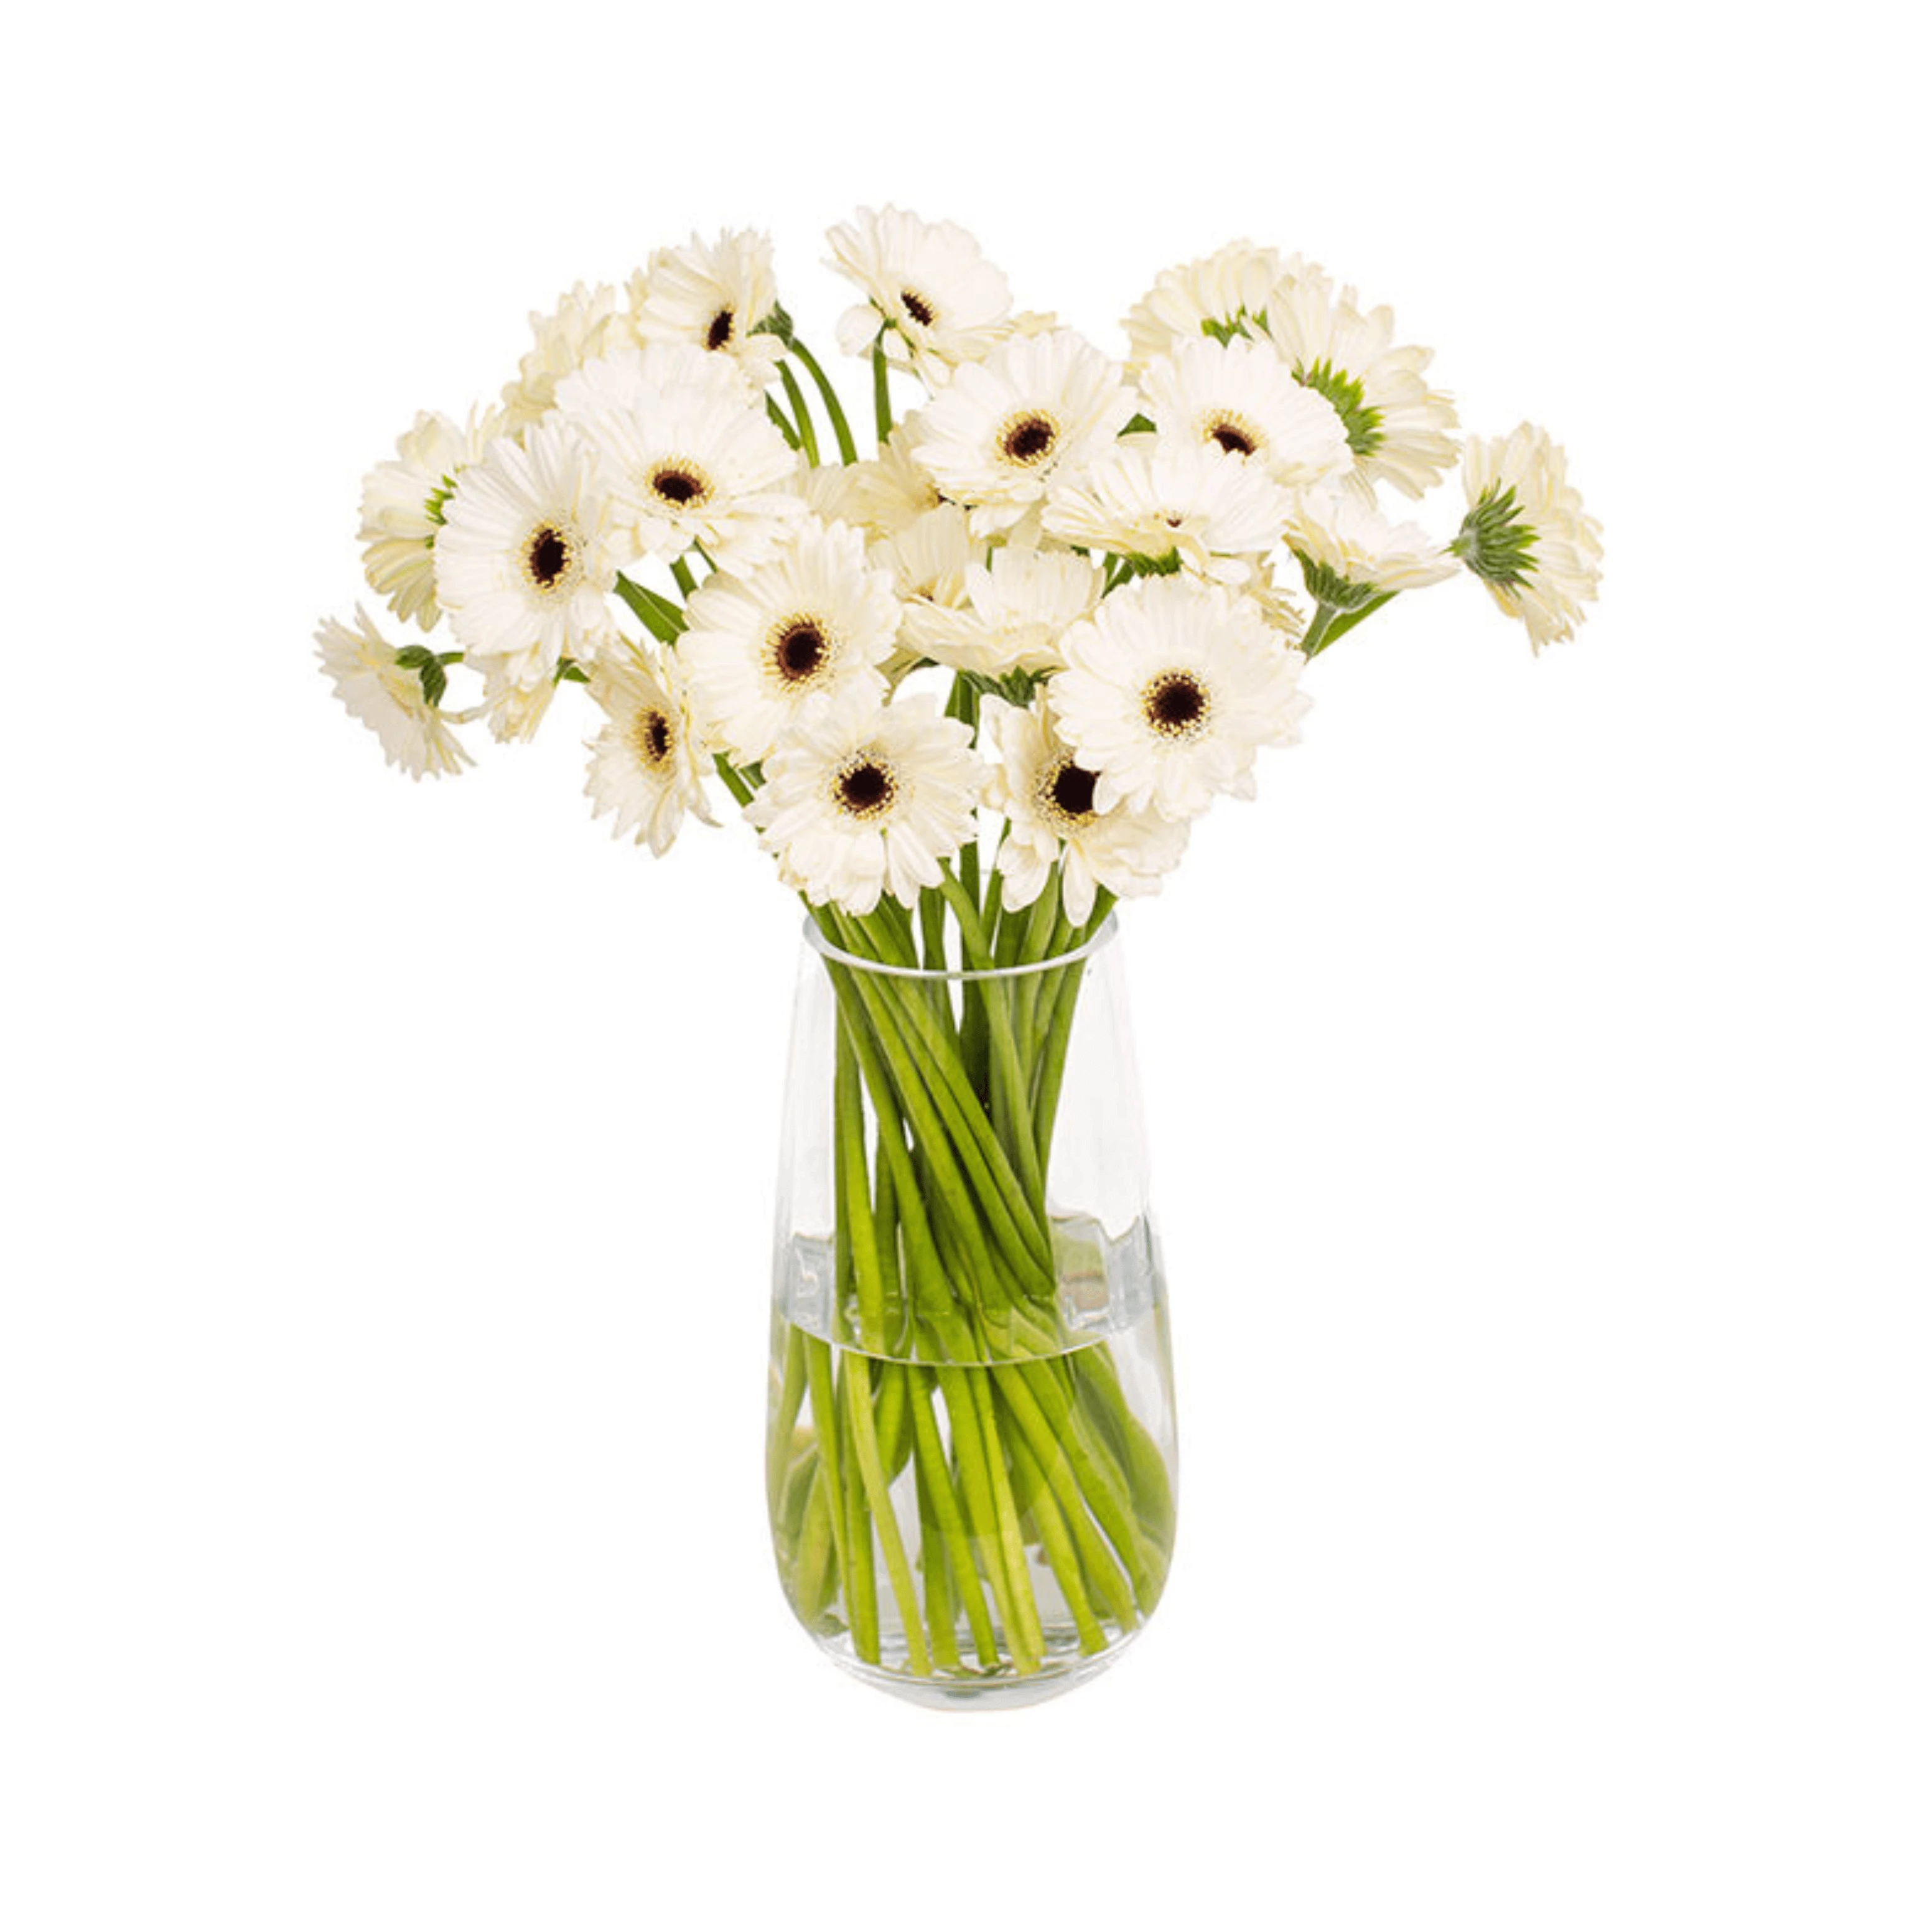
{"x": 892, "y": 1547}
{"x": 856, "y": 1235}
{"x": 807, "y": 436}
{"x": 785, "y": 1420}
{"x": 1097, "y": 1385}
{"x": 1063, "y": 1555}
{"x": 948, "y": 1121}
{"x": 941, "y": 1619}
{"x": 825, "y": 1424}
{"x": 937, "y": 1488}
{"x": 862, "y": 1589}
{"x": 785, "y": 429}
{"x": 882, "y": 394}
{"x": 969, "y": 1403}
{"x": 659, "y": 615}
{"x": 1342, "y": 625}
{"x": 815, "y": 1574}
{"x": 1044, "y": 1407}
{"x": 848, "y": 450}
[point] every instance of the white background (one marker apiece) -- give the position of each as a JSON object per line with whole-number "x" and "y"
{"x": 1537, "y": 1073}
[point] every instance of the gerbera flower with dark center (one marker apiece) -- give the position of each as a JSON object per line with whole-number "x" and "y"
{"x": 1170, "y": 688}
{"x": 524, "y": 558}
{"x": 861, "y": 799}
{"x": 647, "y": 765}
{"x": 686, "y": 451}
{"x": 815, "y": 616}
{"x": 938, "y": 302}
{"x": 1049, "y": 801}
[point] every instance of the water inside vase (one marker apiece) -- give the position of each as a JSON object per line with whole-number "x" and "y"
{"x": 964, "y": 1525}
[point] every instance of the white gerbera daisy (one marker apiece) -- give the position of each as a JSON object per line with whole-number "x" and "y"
{"x": 861, "y": 799}
{"x": 524, "y": 559}
{"x": 1047, "y": 800}
{"x": 1400, "y": 431}
{"x": 402, "y": 503}
{"x": 996, "y": 439}
{"x": 1238, "y": 397}
{"x": 513, "y": 711}
{"x": 1351, "y": 553}
{"x": 815, "y": 616}
{"x": 647, "y": 765}
{"x": 388, "y": 697}
{"x": 1527, "y": 535}
{"x": 1019, "y": 605}
{"x": 891, "y": 491}
{"x": 1222, "y": 295}
{"x": 929, "y": 558}
{"x": 713, "y": 295}
{"x": 688, "y": 455}
{"x": 1169, "y": 689}
{"x": 587, "y": 322}
{"x": 1170, "y": 502}
{"x": 939, "y": 301}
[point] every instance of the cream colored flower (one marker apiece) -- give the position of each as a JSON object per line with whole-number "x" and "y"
{"x": 998, "y": 437}
{"x": 402, "y": 503}
{"x": 1351, "y": 553}
{"x": 861, "y": 799}
{"x": 686, "y": 452}
{"x": 647, "y": 765}
{"x": 1169, "y": 690}
{"x": 816, "y": 615}
{"x": 1048, "y": 800}
{"x": 587, "y": 322}
{"x": 713, "y": 295}
{"x": 388, "y": 697}
{"x": 1019, "y": 605}
{"x": 524, "y": 559}
{"x": 1221, "y": 295}
{"x": 1400, "y": 431}
{"x": 1239, "y": 397}
{"x": 1527, "y": 535}
{"x": 891, "y": 491}
{"x": 1166, "y": 500}
{"x": 939, "y": 302}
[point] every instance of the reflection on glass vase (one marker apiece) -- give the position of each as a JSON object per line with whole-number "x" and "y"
{"x": 971, "y": 1443}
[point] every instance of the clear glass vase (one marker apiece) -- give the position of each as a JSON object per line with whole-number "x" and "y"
{"x": 971, "y": 1443}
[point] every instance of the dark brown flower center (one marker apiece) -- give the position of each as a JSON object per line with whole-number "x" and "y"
{"x": 1071, "y": 791}
{"x": 1175, "y": 704}
{"x": 800, "y": 650}
{"x": 719, "y": 333}
{"x": 547, "y": 557}
{"x": 917, "y": 306}
{"x": 680, "y": 486}
{"x": 865, "y": 787}
{"x": 1234, "y": 437}
{"x": 1028, "y": 439}
{"x": 652, "y": 735}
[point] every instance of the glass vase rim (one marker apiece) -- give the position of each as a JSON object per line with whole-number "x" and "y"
{"x": 815, "y": 938}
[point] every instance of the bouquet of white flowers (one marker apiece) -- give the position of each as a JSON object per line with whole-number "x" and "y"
{"x": 969, "y": 689}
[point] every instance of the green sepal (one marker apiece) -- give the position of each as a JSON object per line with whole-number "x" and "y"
{"x": 1137, "y": 425}
{"x": 1363, "y": 423}
{"x": 777, "y": 323}
{"x": 1224, "y": 331}
{"x": 1136, "y": 565}
{"x": 569, "y": 671}
{"x": 1495, "y": 541}
{"x": 428, "y": 666}
{"x": 1330, "y": 587}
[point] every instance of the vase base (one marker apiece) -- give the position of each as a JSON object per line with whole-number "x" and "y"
{"x": 994, "y": 1691}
